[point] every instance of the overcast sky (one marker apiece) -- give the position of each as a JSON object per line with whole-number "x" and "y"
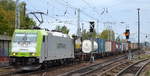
{"x": 118, "y": 11}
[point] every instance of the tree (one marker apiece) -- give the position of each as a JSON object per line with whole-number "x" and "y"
{"x": 62, "y": 29}
{"x": 88, "y": 35}
{"x": 107, "y": 35}
{"x": 7, "y": 17}
{"x": 85, "y": 35}
{"x": 26, "y": 22}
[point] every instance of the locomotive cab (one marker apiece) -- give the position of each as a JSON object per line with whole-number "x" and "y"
{"x": 25, "y": 47}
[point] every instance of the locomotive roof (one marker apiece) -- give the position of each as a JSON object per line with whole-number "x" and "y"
{"x": 44, "y": 32}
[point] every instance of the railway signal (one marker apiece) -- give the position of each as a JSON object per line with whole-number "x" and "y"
{"x": 127, "y": 33}
{"x": 92, "y": 25}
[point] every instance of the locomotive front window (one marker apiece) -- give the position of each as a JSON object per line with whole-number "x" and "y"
{"x": 25, "y": 37}
{"x": 24, "y": 42}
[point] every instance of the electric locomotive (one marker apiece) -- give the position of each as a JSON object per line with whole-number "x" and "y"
{"x": 39, "y": 48}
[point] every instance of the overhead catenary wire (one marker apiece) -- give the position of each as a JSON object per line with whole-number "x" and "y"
{"x": 74, "y": 8}
{"x": 67, "y": 5}
{"x": 93, "y": 8}
{"x": 83, "y": 12}
{"x": 36, "y": 10}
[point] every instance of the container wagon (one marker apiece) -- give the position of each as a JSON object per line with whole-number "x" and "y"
{"x": 113, "y": 43}
{"x": 109, "y": 47}
{"x": 118, "y": 47}
{"x": 101, "y": 47}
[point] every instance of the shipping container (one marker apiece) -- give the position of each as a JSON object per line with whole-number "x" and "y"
{"x": 118, "y": 47}
{"x": 124, "y": 46}
{"x": 78, "y": 45}
{"x": 127, "y": 46}
{"x": 132, "y": 46}
{"x": 135, "y": 45}
{"x": 101, "y": 45}
{"x": 108, "y": 46}
{"x": 113, "y": 46}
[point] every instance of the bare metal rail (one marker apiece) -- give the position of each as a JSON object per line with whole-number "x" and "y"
{"x": 134, "y": 69}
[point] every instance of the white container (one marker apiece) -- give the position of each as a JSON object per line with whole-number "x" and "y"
{"x": 108, "y": 46}
{"x": 87, "y": 46}
{"x": 126, "y": 46}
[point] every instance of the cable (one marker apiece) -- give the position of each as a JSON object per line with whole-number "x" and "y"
{"x": 91, "y": 7}
{"x": 74, "y": 8}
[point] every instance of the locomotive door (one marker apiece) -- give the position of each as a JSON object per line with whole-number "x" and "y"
{"x": 45, "y": 47}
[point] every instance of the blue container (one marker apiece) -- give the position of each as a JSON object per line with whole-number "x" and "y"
{"x": 101, "y": 45}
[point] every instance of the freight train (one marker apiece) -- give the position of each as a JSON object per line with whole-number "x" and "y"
{"x": 42, "y": 48}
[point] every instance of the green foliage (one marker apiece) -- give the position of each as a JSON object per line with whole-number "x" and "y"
{"x": 7, "y": 5}
{"x": 107, "y": 35}
{"x": 87, "y": 35}
{"x": 25, "y": 21}
{"x": 7, "y": 17}
{"x": 28, "y": 23}
{"x": 62, "y": 29}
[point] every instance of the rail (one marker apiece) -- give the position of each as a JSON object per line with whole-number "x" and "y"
{"x": 135, "y": 68}
{"x": 86, "y": 70}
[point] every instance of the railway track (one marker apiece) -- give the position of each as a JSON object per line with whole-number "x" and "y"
{"x": 115, "y": 68}
{"x": 8, "y": 71}
{"x": 112, "y": 69}
{"x": 89, "y": 69}
{"x": 80, "y": 72}
{"x": 39, "y": 72}
{"x": 43, "y": 72}
{"x": 134, "y": 69}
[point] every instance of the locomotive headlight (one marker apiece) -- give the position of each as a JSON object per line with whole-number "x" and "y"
{"x": 33, "y": 54}
{"x": 13, "y": 54}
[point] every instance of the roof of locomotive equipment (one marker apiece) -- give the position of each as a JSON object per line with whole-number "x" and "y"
{"x": 45, "y": 32}
{"x": 60, "y": 34}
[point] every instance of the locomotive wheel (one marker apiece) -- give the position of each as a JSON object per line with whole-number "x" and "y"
{"x": 45, "y": 65}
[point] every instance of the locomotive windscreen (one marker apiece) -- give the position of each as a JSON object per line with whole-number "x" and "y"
{"x": 23, "y": 37}
{"x": 24, "y": 42}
